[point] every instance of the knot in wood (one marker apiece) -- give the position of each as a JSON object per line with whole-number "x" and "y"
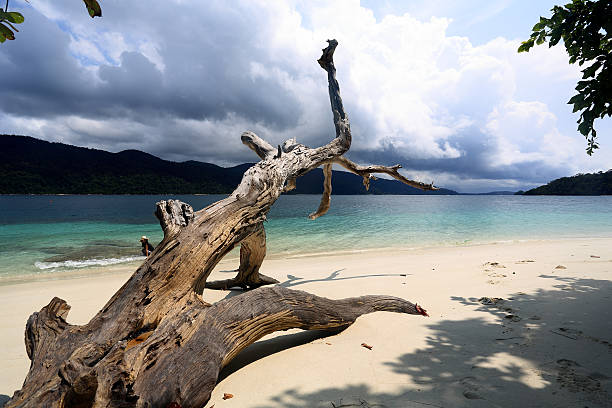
{"x": 173, "y": 215}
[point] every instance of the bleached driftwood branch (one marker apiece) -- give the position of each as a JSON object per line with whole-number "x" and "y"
{"x": 156, "y": 343}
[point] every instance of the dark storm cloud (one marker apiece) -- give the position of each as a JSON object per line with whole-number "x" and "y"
{"x": 203, "y": 79}
{"x": 475, "y": 162}
{"x": 38, "y": 75}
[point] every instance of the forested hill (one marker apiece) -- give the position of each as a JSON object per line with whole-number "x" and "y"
{"x": 580, "y": 184}
{"x": 33, "y": 166}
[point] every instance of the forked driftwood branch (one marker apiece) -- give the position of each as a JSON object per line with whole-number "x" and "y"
{"x": 156, "y": 343}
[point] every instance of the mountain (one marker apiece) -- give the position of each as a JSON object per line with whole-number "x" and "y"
{"x": 580, "y": 184}
{"x": 33, "y": 166}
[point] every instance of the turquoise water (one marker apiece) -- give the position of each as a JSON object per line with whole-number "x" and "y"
{"x": 44, "y": 235}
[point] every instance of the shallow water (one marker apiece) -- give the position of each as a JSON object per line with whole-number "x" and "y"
{"x": 42, "y": 235}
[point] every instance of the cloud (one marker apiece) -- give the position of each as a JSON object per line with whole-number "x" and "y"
{"x": 184, "y": 80}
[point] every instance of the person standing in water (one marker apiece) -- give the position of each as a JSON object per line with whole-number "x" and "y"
{"x": 147, "y": 248}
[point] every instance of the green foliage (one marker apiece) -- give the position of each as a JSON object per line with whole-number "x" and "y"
{"x": 14, "y": 17}
{"x": 30, "y": 166}
{"x": 6, "y": 33}
{"x": 580, "y": 184}
{"x": 93, "y": 8}
{"x": 585, "y": 26}
{"x": 7, "y": 29}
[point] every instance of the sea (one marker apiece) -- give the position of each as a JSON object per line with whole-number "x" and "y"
{"x": 54, "y": 236}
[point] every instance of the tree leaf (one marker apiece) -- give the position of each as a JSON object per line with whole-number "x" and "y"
{"x": 15, "y": 17}
{"x": 581, "y": 85}
{"x": 525, "y": 45}
{"x": 590, "y": 71}
{"x": 8, "y": 34}
{"x": 592, "y": 145}
{"x": 93, "y": 8}
{"x": 576, "y": 99}
{"x": 555, "y": 36}
{"x": 584, "y": 128}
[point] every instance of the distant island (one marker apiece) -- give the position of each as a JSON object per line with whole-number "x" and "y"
{"x": 33, "y": 166}
{"x": 581, "y": 184}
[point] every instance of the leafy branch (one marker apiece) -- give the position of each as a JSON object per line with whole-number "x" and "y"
{"x": 585, "y": 26}
{"x": 7, "y": 19}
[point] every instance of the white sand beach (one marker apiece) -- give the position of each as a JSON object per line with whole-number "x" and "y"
{"x": 541, "y": 338}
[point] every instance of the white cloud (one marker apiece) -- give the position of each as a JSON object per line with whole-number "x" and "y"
{"x": 87, "y": 50}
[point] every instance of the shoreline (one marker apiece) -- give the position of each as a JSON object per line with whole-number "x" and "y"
{"x": 233, "y": 257}
{"x": 547, "y": 343}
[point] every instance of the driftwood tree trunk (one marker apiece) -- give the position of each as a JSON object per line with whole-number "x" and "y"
{"x": 156, "y": 343}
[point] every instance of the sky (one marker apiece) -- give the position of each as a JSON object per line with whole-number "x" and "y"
{"x": 436, "y": 86}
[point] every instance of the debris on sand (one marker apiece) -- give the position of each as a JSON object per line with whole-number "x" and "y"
{"x": 494, "y": 264}
{"x": 491, "y": 301}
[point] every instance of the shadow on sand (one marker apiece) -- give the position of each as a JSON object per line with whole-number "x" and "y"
{"x": 264, "y": 348}
{"x": 552, "y": 348}
{"x": 296, "y": 280}
{"x": 293, "y": 280}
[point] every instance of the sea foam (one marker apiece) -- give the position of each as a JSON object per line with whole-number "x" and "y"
{"x": 87, "y": 262}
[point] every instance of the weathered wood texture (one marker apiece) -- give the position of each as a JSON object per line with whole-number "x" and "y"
{"x": 156, "y": 342}
{"x": 252, "y": 254}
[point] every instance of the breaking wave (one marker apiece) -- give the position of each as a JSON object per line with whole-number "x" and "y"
{"x": 87, "y": 262}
